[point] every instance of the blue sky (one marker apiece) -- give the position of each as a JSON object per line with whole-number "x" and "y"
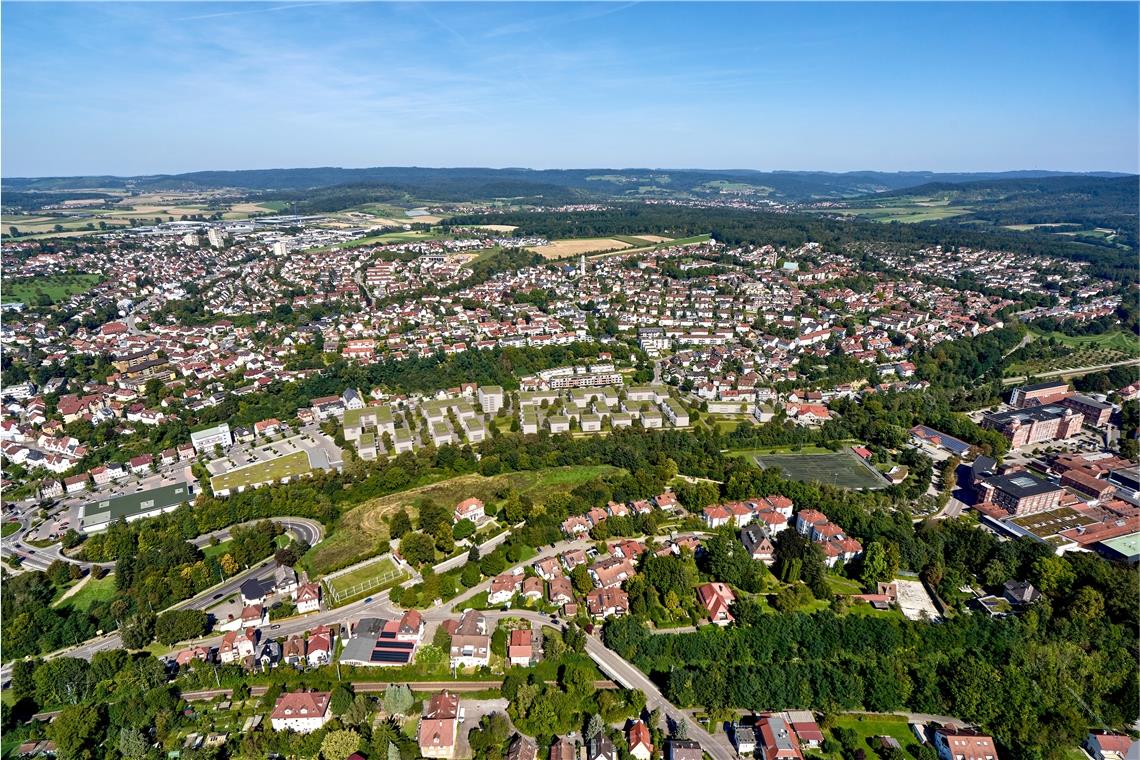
{"x": 126, "y": 88}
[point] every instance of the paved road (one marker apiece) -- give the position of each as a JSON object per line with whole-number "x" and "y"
{"x": 718, "y": 747}
{"x": 1071, "y": 372}
{"x": 302, "y": 528}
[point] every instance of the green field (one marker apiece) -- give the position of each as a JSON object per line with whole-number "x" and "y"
{"x": 1073, "y": 351}
{"x": 840, "y": 469}
{"x": 869, "y": 726}
{"x": 102, "y": 590}
{"x": 363, "y": 529}
{"x": 56, "y": 287}
{"x": 261, "y": 473}
{"x": 904, "y": 213}
{"x": 9, "y": 527}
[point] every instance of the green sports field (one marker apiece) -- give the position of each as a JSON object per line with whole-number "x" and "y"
{"x": 261, "y": 473}
{"x": 841, "y": 469}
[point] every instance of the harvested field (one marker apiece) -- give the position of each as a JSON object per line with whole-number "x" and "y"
{"x": 560, "y": 249}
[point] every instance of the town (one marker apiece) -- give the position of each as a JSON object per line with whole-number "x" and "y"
{"x": 372, "y": 388}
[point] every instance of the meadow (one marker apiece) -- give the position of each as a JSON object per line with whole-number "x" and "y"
{"x": 362, "y": 530}
{"x": 56, "y": 287}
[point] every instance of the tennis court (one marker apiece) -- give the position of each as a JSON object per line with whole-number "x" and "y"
{"x": 841, "y": 469}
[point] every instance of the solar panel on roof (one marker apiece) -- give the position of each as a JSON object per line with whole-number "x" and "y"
{"x": 394, "y": 657}
{"x": 396, "y": 645}
{"x": 1023, "y": 481}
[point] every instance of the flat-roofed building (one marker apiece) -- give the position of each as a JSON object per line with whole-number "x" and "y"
{"x": 218, "y": 435}
{"x": 95, "y": 516}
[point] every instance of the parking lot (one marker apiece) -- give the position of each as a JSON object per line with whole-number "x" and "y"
{"x": 322, "y": 451}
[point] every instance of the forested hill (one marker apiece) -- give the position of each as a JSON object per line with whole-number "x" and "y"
{"x": 1092, "y": 202}
{"x": 553, "y": 184}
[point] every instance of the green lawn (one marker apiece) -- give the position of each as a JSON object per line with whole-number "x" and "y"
{"x": 867, "y": 726}
{"x": 362, "y": 529}
{"x": 841, "y": 585}
{"x": 56, "y": 287}
{"x": 93, "y": 591}
{"x": 9, "y": 527}
{"x": 260, "y": 473}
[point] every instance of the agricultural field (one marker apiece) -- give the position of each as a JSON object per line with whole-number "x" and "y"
{"x": 56, "y": 287}
{"x": 561, "y": 249}
{"x": 904, "y": 213}
{"x": 121, "y": 212}
{"x": 259, "y": 473}
{"x": 362, "y": 529}
{"x": 842, "y": 469}
{"x": 1071, "y": 351}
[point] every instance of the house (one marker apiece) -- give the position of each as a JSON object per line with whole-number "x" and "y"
{"x": 563, "y": 748}
{"x": 439, "y": 726}
{"x": 611, "y": 572}
{"x": 532, "y": 587}
{"x": 470, "y": 651}
{"x": 964, "y": 744}
{"x": 294, "y": 651}
{"x": 302, "y": 712}
{"x": 520, "y": 647}
{"x": 717, "y": 598}
{"x": 775, "y": 740}
{"x": 285, "y": 580}
{"x": 522, "y": 748}
{"x": 1020, "y": 592}
{"x": 1106, "y": 745}
{"x": 640, "y": 745}
{"x": 76, "y": 483}
{"x": 252, "y": 592}
{"x": 683, "y": 749}
{"x": 470, "y": 509}
{"x": 186, "y": 656}
{"x": 744, "y": 738}
{"x": 560, "y": 591}
{"x": 716, "y": 516}
{"x": 503, "y": 588}
{"x": 600, "y": 747}
{"x": 548, "y": 568}
{"x": 604, "y": 602}
{"x": 572, "y": 558}
{"x": 759, "y": 545}
{"x": 237, "y": 645}
{"x": 308, "y": 598}
{"x": 318, "y": 649}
